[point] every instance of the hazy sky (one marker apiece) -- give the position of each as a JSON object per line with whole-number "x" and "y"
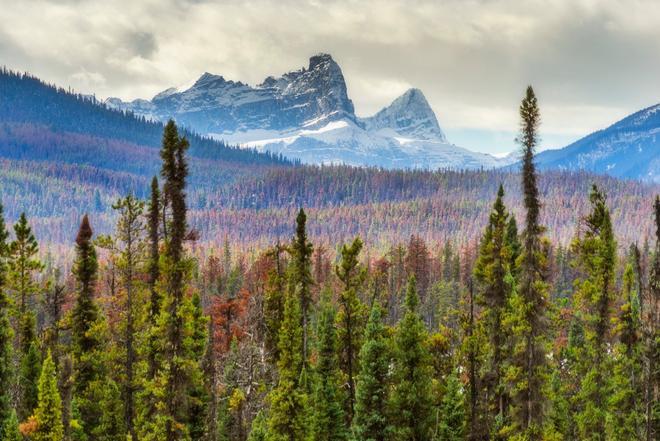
{"x": 591, "y": 62}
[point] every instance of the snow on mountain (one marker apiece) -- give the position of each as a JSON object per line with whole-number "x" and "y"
{"x": 307, "y": 115}
{"x": 629, "y": 148}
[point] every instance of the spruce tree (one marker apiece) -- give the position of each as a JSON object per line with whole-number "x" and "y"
{"x": 596, "y": 258}
{"x": 86, "y": 332}
{"x": 178, "y": 369}
{"x": 492, "y": 273}
{"x": 352, "y": 316}
{"x": 626, "y": 416}
{"x": 6, "y": 336}
{"x": 274, "y": 301}
{"x": 452, "y": 411}
{"x": 300, "y": 277}
{"x": 48, "y": 414}
{"x": 153, "y": 222}
{"x": 328, "y": 419}
{"x": 371, "y": 421}
{"x": 527, "y": 369}
{"x": 152, "y": 347}
{"x": 30, "y": 370}
{"x": 130, "y": 239}
{"x": 411, "y": 394}
{"x": 10, "y": 431}
{"x": 287, "y": 419}
{"x": 23, "y": 263}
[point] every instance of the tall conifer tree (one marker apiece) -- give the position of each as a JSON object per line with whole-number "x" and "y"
{"x": 87, "y": 343}
{"x": 352, "y": 316}
{"x": 288, "y": 417}
{"x": 411, "y": 399}
{"x": 527, "y": 312}
{"x": 596, "y": 258}
{"x": 328, "y": 419}
{"x": 48, "y": 414}
{"x": 493, "y": 276}
{"x": 300, "y": 277}
{"x": 371, "y": 421}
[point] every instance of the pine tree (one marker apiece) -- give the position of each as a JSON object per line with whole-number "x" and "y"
{"x": 29, "y": 372}
{"x": 259, "y": 429}
{"x": 411, "y": 395}
{"x": 513, "y": 242}
{"x": 87, "y": 332}
{"x": 492, "y": 274}
{"x": 625, "y": 417}
{"x": 48, "y": 414}
{"x": 6, "y": 338}
{"x": 351, "y": 318}
{"x": 596, "y": 257}
{"x": 371, "y": 422}
{"x": 274, "y": 301}
{"x": 452, "y": 411}
{"x": 130, "y": 230}
{"x": 153, "y": 221}
{"x": 328, "y": 419}
{"x": 23, "y": 263}
{"x": 10, "y": 430}
{"x": 527, "y": 369}
{"x": 287, "y": 419}
{"x": 198, "y": 394}
{"x": 177, "y": 370}
{"x": 300, "y": 277}
{"x": 152, "y": 348}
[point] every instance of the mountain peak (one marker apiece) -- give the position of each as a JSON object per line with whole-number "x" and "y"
{"x": 320, "y": 58}
{"x": 207, "y": 78}
{"x": 409, "y": 115}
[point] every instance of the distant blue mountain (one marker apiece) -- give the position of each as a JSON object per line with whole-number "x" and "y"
{"x": 629, "y": 148}
{"x": 25, "y": 99}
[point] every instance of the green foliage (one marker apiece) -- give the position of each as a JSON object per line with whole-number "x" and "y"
{"x": 300, "y": 277}
{"x": 411, "y": 395}
{"x": 48, "y": 414}
{"x": 9, "y": 430}
{"x": 274, "y": 301}
{"x": 88, "y": 334}
{"x": 328, "y": 419}
{"x": 23, "y": 263}
{"x": 596, "y": 257}
{"x": 452, "y": 411}
{"x": 259, "y": 430}
{"x": 527, "y": 371}
{"x": 288, "y": 416}
{"x": 351, "y": 318}
{"x": 29, "y": 373}
{"x": 371, "y": 421}
{"x": 625, "y": 417}
{"x": 492, "y": 273}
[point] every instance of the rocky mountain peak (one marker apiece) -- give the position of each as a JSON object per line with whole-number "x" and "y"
{"x": 409, "y": 115}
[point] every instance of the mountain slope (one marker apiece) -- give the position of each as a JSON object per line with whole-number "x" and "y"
{"x": 307, "y": 115}
{"x": 27, "y": 100}
{"x": 629, "y": 148}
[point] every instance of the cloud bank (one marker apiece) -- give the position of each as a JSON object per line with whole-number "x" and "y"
{"x": 591, "y": 61}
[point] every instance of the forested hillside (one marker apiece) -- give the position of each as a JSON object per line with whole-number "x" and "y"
{"x": 149, "y": 333}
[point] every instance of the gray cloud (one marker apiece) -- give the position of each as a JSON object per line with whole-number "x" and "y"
{"x": 590, "y": 61}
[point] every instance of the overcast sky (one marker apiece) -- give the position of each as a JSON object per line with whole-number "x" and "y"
{"x": 590, "y": 61}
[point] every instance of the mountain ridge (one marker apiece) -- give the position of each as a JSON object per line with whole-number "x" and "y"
{"x": 628, "y": 148}
{"x": 307, "y": 114}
